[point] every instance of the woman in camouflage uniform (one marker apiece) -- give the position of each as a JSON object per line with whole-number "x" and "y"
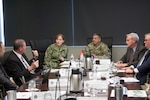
{"x": 56, "y": 52}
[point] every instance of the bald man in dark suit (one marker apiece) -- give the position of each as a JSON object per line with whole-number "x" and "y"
{"x": 17, "y": 64}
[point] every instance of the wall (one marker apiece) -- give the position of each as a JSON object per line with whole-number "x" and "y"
{"x": 117, "y": 51}
{"x": 76, "y": 19}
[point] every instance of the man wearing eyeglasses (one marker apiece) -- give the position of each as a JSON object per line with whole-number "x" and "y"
{"x": 142, "y": 68}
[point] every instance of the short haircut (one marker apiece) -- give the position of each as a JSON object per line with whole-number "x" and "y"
{"x": 97, "y": 35}
{"x": 134, "y": 36}
{"x": 18, "y": 43}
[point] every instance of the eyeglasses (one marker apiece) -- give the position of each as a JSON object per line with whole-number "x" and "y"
{"x": 147, "y": 40}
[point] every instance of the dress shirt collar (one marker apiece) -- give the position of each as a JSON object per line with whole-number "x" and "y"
{"x": 134, "y": 48}
{"x": 18, "y": 55}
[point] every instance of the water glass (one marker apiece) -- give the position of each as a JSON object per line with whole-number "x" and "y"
{"x": 148, "y": 84}
{"x": 32, "y": 85}
{"x": 47, "y": 96}
{"x": 93, "y": 92}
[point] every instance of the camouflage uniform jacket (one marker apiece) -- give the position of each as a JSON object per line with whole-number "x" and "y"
{"x": 100, "y": 51}
{"x": 53, "y": 54}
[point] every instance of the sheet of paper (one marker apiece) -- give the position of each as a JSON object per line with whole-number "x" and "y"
{"x": 101, "y": 87}
{"x": 119, "y": 70}
{"x": 54, "y": 70}
{"x": 65, "y": 63}
{"x": 63, "y": 82}
{"x": 129, "y": 79}
{"x": 46, "y": 94}
{"x": 37, "y": 95}
{"x": 24, "y": 95}
{"x": 105, "y": 61}
{"x": 92, "y": 98}
{"x": 136, "y": 93}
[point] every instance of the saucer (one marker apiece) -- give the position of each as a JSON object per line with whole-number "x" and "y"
{"x": 32, "y": 90}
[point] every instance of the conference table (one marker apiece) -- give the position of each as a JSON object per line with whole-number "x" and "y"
{"x": 130, "y": 86}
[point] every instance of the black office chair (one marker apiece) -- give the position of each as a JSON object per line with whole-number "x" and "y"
{"x": 6, "y": 55}
{"x": 107, "y": 40}
{"x": 41, "y": 46}
{"x": 2, "y": 92}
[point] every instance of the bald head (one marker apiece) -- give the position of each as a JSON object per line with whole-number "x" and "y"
{"x": 18, "y": 43}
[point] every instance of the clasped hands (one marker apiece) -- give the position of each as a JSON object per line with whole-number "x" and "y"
{"x": 123, "y": 66}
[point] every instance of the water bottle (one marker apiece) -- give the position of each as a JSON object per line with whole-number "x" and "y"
{"x": 94, "y": 72}
{"x": 118, "y": 92}
{"x": 71, "y": 57}
{"x": 72, "y": 60}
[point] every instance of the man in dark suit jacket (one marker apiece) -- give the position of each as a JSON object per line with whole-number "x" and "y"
{"x": 6, "y": 81}
{"x": 17, "y": 64}
{"x": 134, "y": 51}
{"x": 142, "y": 68}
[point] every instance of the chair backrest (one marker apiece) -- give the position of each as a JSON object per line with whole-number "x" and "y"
{"x": 2, "y": 92}
{"x": 41, "y": 46}
{"x": 107, "y": 40}
{"x": 6, "y": 55}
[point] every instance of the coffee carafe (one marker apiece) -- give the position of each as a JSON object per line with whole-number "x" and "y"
{"x": 76, "y": 81}
{"x": 88, "y": 62}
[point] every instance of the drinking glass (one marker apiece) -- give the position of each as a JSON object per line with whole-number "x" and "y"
{"x": 87, "y": 89}
{"x": 31, "y": 85}
{"x": 93, "y": 91}
{"x": 114, "y": 71}
{"x": 47, "y": 96}
{"x": 148, "y": 84}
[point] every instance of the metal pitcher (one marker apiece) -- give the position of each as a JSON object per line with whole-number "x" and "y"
{"x": 89, "y": 62}
{"x": 76, "y": 81}
{"x": 118, "y": 92}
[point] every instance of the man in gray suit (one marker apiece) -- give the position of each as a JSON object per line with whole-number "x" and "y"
{"x": 134, "y": 51}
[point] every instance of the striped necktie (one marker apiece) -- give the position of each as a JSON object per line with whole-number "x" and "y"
{"x": 26, "y": 65}
{"x": 142, "y": 59}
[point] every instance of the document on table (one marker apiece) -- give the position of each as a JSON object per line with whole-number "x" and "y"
{"x": 65, "y": 63}
{"x": 92, "y": 98}
{"x": 119, "y": 70}
{"x": 136, "y": 93}
{"x": 129, "y": 79}
{"x": 24, "y": 95}
{"x": 54, "y": 70}
{"x": 132, "y": 93}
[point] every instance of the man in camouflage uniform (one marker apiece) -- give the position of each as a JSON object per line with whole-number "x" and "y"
{"x": 97, "y": 48}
